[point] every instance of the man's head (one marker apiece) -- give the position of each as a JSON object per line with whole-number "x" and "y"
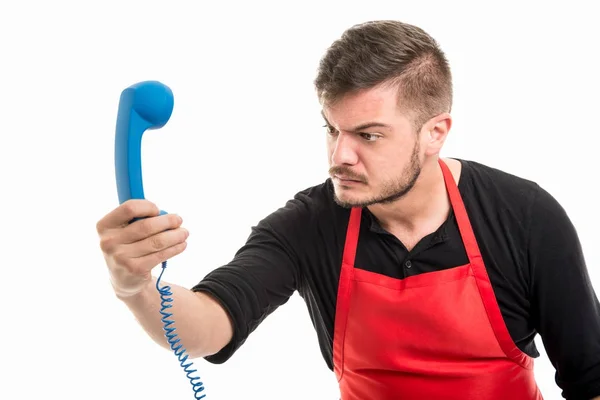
{"x": 386, "y": 92}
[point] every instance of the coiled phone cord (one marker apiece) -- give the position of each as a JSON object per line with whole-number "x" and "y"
{"x": 176, "y": 346}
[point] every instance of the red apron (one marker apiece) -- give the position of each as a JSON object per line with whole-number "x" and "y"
{"x": 437, "y": 335}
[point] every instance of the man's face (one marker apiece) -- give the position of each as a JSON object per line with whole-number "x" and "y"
{"x": 374, "y": 153}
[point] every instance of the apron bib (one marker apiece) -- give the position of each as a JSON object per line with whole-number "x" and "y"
{"x": 437, "y": 335}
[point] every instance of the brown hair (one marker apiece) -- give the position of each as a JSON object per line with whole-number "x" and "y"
{"x": 388, "y": 52}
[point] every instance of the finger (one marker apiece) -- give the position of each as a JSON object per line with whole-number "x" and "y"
{"x": 148, "y": 227}
{"x": 149, "y": 261}
{"x": 156, "y": 243}
{"x": 120, "y": 216}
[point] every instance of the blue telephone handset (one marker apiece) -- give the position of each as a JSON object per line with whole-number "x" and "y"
{"x": 143, "y": 106}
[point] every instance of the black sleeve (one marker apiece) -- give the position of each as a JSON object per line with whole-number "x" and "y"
{"x": 262, "y": 276}
{"x": 566, "y": 309}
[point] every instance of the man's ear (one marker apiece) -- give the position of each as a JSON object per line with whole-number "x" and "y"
{"x": 437, "y": 130}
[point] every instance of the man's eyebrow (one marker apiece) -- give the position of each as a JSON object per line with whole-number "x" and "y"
{"x": 362, "y": 126}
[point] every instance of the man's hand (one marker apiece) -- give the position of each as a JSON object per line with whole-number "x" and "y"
{"x": 132, "y": 250}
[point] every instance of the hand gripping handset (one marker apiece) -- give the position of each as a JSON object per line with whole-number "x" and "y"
{"x": 143, "y": 106}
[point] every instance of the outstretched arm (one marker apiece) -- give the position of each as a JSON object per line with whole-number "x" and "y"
{"x": 202, "y": 324}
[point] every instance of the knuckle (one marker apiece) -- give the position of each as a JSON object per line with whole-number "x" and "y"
{"x": 99, "y": 226}
{"x": 129, "y": 209}
{"x": 156, "y": 242}
{"x": 107, "y": 243}
{"x": 146, "y": 226}
{"x": 122, "y": 260}
{"x": 152, "y": 209}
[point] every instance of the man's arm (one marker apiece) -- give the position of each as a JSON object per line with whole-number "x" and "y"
{"x": 132, "y": 250}
{"x": 264, "y": 273}
{"x": 203, "y": 326}
{"x": 565, "y": 308}
{"x": 215, "y": 317}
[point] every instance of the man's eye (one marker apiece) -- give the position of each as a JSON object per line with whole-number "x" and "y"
{"x": 369, "y": 137}
{"x": 330, "y": 129}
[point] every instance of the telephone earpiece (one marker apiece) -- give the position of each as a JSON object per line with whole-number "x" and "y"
{"x": 147, "y": 105}
{"x": 142, "y": 106}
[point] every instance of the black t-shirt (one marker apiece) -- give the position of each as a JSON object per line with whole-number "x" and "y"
{"x": 530, "y": 248}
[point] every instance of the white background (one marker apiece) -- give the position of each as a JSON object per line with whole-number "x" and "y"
{"x": 245, "y": 136}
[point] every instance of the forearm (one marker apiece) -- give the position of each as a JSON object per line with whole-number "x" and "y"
{"x": 201, "y": 324}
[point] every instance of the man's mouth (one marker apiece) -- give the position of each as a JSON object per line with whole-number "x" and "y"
{"x": 346, "y": 179}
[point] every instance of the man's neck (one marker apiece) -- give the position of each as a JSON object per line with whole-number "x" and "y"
{"x": 424, "y": 208}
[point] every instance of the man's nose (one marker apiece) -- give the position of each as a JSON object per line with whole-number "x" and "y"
{"x": 344, "y": 152}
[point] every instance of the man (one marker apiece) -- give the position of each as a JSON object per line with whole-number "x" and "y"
{"x": 425, "y": 278}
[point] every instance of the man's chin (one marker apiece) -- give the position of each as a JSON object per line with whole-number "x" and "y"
{"x": 347, "y": 200}
{"x": 350, "y": 201}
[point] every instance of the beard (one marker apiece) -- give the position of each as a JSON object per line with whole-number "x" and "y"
{"x": 392, "y": 190}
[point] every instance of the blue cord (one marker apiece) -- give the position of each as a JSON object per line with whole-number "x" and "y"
{"x": 165, "y": 293}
